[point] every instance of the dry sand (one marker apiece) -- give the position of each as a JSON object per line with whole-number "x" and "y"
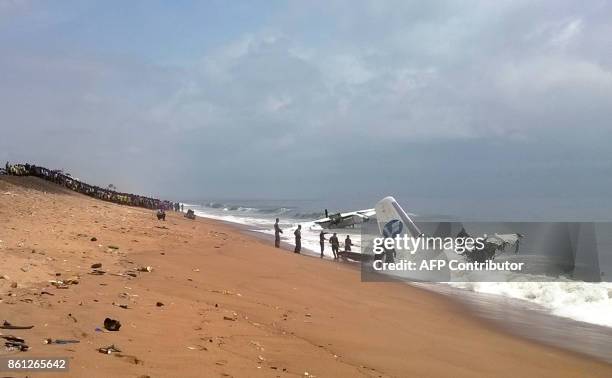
{"x": 232, "y": 304}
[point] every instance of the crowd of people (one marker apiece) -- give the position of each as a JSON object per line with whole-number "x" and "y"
{"x": 105, "y": 194}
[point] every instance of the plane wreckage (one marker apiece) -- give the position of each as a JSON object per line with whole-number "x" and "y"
{"x": 344, "y": 220}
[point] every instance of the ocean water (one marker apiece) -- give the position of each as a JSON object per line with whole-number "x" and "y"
{"x": 259, "y": 216}
{"x": 582, "y": 301}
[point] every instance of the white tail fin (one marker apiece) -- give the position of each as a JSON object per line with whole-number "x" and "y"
{"x": 393, "y": 220}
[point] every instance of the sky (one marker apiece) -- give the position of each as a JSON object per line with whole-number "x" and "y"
{"x": 454, "y": 100}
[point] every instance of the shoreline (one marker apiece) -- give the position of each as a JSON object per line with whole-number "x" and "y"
{"x": 598, "y": 335}
{"x": 529, "y": 321}
{"x": 230, "y": 303}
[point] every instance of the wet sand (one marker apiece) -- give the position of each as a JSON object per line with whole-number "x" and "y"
{"x": 533, "y": 322}
{"x": 232, "y": 304}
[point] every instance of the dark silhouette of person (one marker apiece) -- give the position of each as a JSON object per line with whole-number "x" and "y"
{"x": 335, "y": 244}
{"x": 161, "y": 214}
{"x": 348, "y": 243}
{"x": 277, "y": 232}
{"x": 518, "y": 242}
{"x": 322, "y": 242}
{"x": 298, "y": 239}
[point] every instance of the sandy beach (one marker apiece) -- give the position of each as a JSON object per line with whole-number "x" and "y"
{"x": 217, "y": 302}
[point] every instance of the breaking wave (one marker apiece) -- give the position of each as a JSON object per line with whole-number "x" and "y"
{"x": 583, "y": 301}
{"x": 246, "y": 209}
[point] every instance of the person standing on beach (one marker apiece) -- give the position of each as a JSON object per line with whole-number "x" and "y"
{"x": 335, "y": 243}
{"x": 277, "y": 232}
{"x": 347, "y": 244}
{"x": 322, "y": 241}
{"x": 298, "y": 239}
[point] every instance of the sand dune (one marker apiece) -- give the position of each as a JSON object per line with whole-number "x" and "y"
{"x": 229, "y": 304}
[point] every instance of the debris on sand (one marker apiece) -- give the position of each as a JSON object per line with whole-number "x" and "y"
{"x": 112, "y": 324}
{"x": 199, "y": 347}
{"x": 113, "y": 247}
{"x": 14, "y": 343}
{"x": 229, "y": 318}
{"x": 60, "y": 341}
{"x": 12, "y": 338}
{"x": 124, "y": 306}
{"x": 109, "y": 349}
{"x": 145, "y": 269}
{"x": 7, "y": 325}
{"x": 225, "y": 292}
{"x": 63, "y": 284}
{"x": 257, "y": 345}
{"x": 190, "y": 214}
{"x": 129, "y": 296}
{"x": 59, "y": 284}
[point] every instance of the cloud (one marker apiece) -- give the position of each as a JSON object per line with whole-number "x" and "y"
{"x": 296, "y": 106}
{"x": 568, "y": 32}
